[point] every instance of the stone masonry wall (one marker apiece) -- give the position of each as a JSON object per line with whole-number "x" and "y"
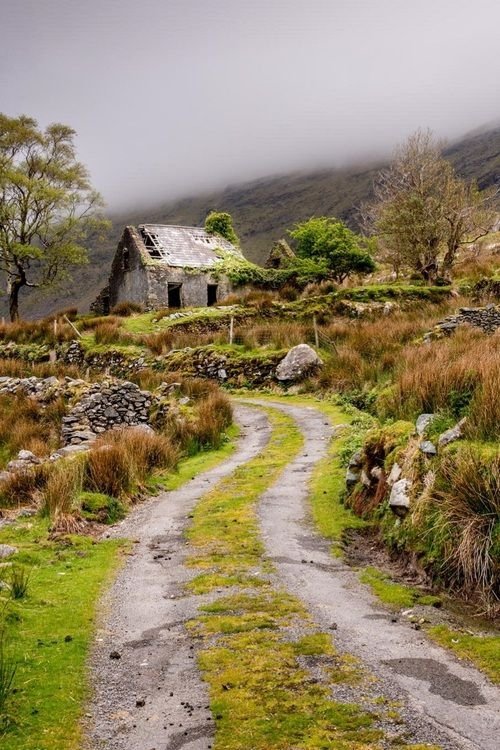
{"x": 486, "y": 318}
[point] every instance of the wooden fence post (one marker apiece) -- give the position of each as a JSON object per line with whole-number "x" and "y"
{"x": 231, "y": 330}
{"x": 316, "y": 335}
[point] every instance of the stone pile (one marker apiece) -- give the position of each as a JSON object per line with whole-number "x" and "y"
{"x": 486, "y": 318}
{"x": 42, "y": 390}
{"x": 106, "y": 406}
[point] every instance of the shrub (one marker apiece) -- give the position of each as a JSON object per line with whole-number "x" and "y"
{"x": 125, "y": 309}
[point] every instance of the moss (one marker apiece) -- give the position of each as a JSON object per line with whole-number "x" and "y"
{"x": 483, "y": 650}
{"x": 102, "y": 508}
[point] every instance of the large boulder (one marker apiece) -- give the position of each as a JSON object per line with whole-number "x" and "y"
{"x": 300, "y": 362}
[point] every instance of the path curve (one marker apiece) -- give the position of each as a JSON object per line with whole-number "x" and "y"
{"x": 152, "y": 696}
{"x": 447, "y": 701}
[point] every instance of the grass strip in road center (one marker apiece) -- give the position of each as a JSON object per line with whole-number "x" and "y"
{"x": 269, "y": 670}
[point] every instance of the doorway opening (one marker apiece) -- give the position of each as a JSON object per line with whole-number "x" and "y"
{"x": 212, "y": 294}
{"x": 174, "y": 295}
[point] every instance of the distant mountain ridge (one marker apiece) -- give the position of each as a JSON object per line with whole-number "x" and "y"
{"x": 264, "y": 209}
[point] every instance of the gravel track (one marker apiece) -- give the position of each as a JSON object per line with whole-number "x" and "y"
{"x": 152, "y": 696}
{"x": 444, "y": 700}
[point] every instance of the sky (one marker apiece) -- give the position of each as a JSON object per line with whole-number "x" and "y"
{"x": 174, "y": 97}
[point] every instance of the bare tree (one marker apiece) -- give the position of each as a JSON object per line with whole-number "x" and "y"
{"x": 423, "y": 213}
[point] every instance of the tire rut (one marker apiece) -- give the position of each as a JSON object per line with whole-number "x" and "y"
{"x": 445, "y": 701}
{"x": 149, "y": 695}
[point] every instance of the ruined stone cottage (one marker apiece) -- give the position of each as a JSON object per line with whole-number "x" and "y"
{"x": 158, "y": 265}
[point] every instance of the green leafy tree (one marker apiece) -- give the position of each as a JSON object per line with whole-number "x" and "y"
{"x": 47, "y": 206}
{"x": 221, "y": 223}
{"x": 423, "y": 213}
{"x": 331, "y": 242}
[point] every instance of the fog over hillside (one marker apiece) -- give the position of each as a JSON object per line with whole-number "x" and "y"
{"x": 173, "y": 97}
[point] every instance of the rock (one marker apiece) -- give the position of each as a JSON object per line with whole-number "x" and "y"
{"x": 428, "y": 448}
{"x": 376, "y": 472}
{"x": 394, "y": 474}
{"x": 422, "y": 423}
{"x": 299, "y": 362}
{"x": 28, "y": 456}
{"x": 6, "y": 550}
{"x": 365, "y": 479}
{"x": 356, "y": 459}
{"x": 399, "y": 499}
{"x": 454, "y": 433}
{"x": 351, "y": 478}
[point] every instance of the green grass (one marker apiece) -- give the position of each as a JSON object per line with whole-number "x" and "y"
{"x": 482, "y": 650}
{"x": 205, "y": 460}
{"x": 49, "y": 632}
{"x": 262, "y": 695}
{"x": 328, "y": 480}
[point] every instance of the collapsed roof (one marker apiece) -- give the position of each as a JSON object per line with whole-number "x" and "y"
{"x": 189, "y": 247}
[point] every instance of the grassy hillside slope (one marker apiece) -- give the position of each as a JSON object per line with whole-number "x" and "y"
{"x": 264, "y": 209}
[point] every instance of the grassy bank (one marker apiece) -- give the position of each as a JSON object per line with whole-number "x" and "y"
{"x": 48, "y": 633}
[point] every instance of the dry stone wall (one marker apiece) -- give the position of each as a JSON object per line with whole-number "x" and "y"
{"x": 486, "y": 318}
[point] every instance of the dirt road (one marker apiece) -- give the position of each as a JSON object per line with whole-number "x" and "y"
{"x": 150, "y": 696}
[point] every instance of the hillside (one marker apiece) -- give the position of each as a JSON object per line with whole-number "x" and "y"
{"x": 264, "y": 209}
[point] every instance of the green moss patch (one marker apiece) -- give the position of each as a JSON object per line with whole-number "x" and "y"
{"x": 482, "y": 650}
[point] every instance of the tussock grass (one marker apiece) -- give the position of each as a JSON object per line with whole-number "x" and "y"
{"x": 27, "y": 424}
{"x": 36, "y": 331}
{"x": 460, "y": 374}
{"x": 468, "y": 499}
{"x": 64, "y": 483}
{"x": 125, "y": 309}
{"x": 112, "y": 333}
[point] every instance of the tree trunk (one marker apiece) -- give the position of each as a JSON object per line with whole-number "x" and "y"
{"x": 15, "y": 287}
